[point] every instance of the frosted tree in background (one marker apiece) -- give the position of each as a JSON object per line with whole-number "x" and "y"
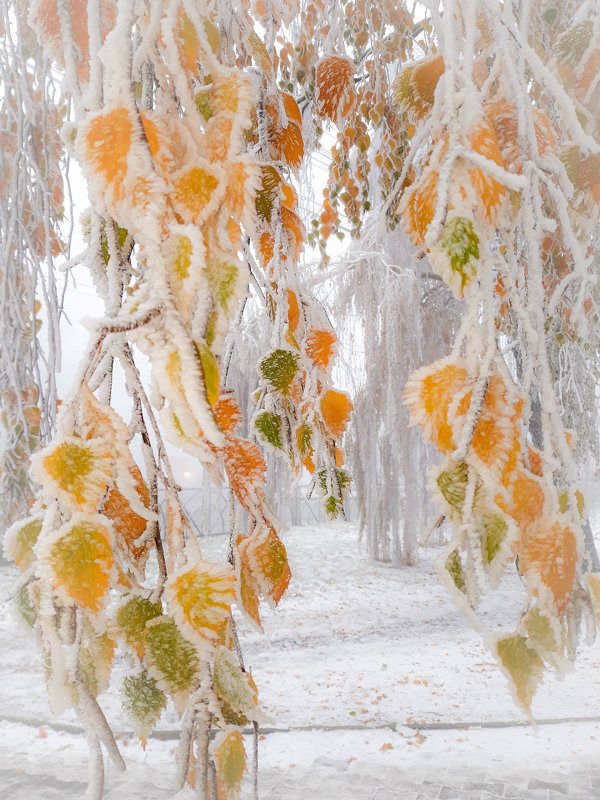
{"x": 32, "y": 200}
{"x": 407, "y": 317}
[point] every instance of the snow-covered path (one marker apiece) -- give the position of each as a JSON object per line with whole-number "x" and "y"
{"x": 376, "y": 654}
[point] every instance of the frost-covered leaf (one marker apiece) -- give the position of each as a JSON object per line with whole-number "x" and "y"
{"x": 20, "y": 540}
{"x": 223, "y": 273}
{"x": 428, "y": 394}
{"x": 319, "y": 346}
{"x": 452, "y": 483}
{"x": 456, "y": 571}
{"x": 95, "y": 661}
{"x": 456, "y": 254}
{"x": 245, "y": 468}
{"x": 489, "y": 191}
{"x": 495, "y": 530}
{"x": 197, "y": 191}
{"x": 336, "y": 95}
{"x": 131, "y": 618}
{"x": 540, "y": 632}
{"x": 304, "y": 439}
{"x": 230, "y": 763}
{"x": 293, "y": 310}
{"x": 548, "y": 557}
{"x": 45, "y": 20}
{"x": 127, "y": 523}
{"x": 335, "y": 409}
{"x": 185, "y": 260}
{"x": 268, "y": 426}
{"x": 527, "y": 499}
{"x": 523, "y": 666}
{"x": 264, "y": 564}
{"x": 572, "y": 44}
{"x": 267, "y": 192}
{"x": 172, "y": 659}
{"x": 79, "y": 557}
{"x": 143, "y": 701}
{"x": 285, "y": 136}
{"x": 235, "y": 688}
{"x": 279, "y": 368}
{"x": 417, "y": 206}
{"x": 414, "y": 86}
{"x": 25, "y": 607}
{"x": 200, "y": 597}
{"x": 210, "y": 370}
{"x": 74, "y": 471}
{"x": 227, "y": 413}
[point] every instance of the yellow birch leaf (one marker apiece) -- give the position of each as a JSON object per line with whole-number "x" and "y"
{"x": 230, "y": 762}
{"x": 200, "y": 597}
{"x": 80, "y": 559}
{"x": 198, "y": 191}
{"x": 75, "y": 471}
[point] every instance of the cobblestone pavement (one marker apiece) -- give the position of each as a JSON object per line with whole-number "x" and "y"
{"x": 322, "y": 783}
{"x": 548, "y": 763}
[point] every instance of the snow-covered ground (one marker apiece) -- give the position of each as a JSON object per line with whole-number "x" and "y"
{"x": 371, "y": 678}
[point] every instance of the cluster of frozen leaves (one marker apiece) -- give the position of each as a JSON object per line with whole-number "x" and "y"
{"x": 191, "y": 152}
{"x": 491, "y": 192}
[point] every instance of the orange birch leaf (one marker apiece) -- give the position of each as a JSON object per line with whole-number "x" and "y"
{"x": 264, "y": 559}
{"x": 335, "y": 95}
{"x": 548, "y": 558}
{"x": 246, "y": 470}
{"x": 320, "y": 347}
{"x": 227, "y": 413}
{"x": 335, "y": 410}
{"x": 428, "y": 395}
{"x": 129, "y": 525}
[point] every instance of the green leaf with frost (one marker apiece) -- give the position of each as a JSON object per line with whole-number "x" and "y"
{"x": 171, "y": 656}
{"x": 269, "y": 428}
{"x": 279, "y": 368}
{"x": 455, "y": 570}
{"x": 143, "y": 701}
